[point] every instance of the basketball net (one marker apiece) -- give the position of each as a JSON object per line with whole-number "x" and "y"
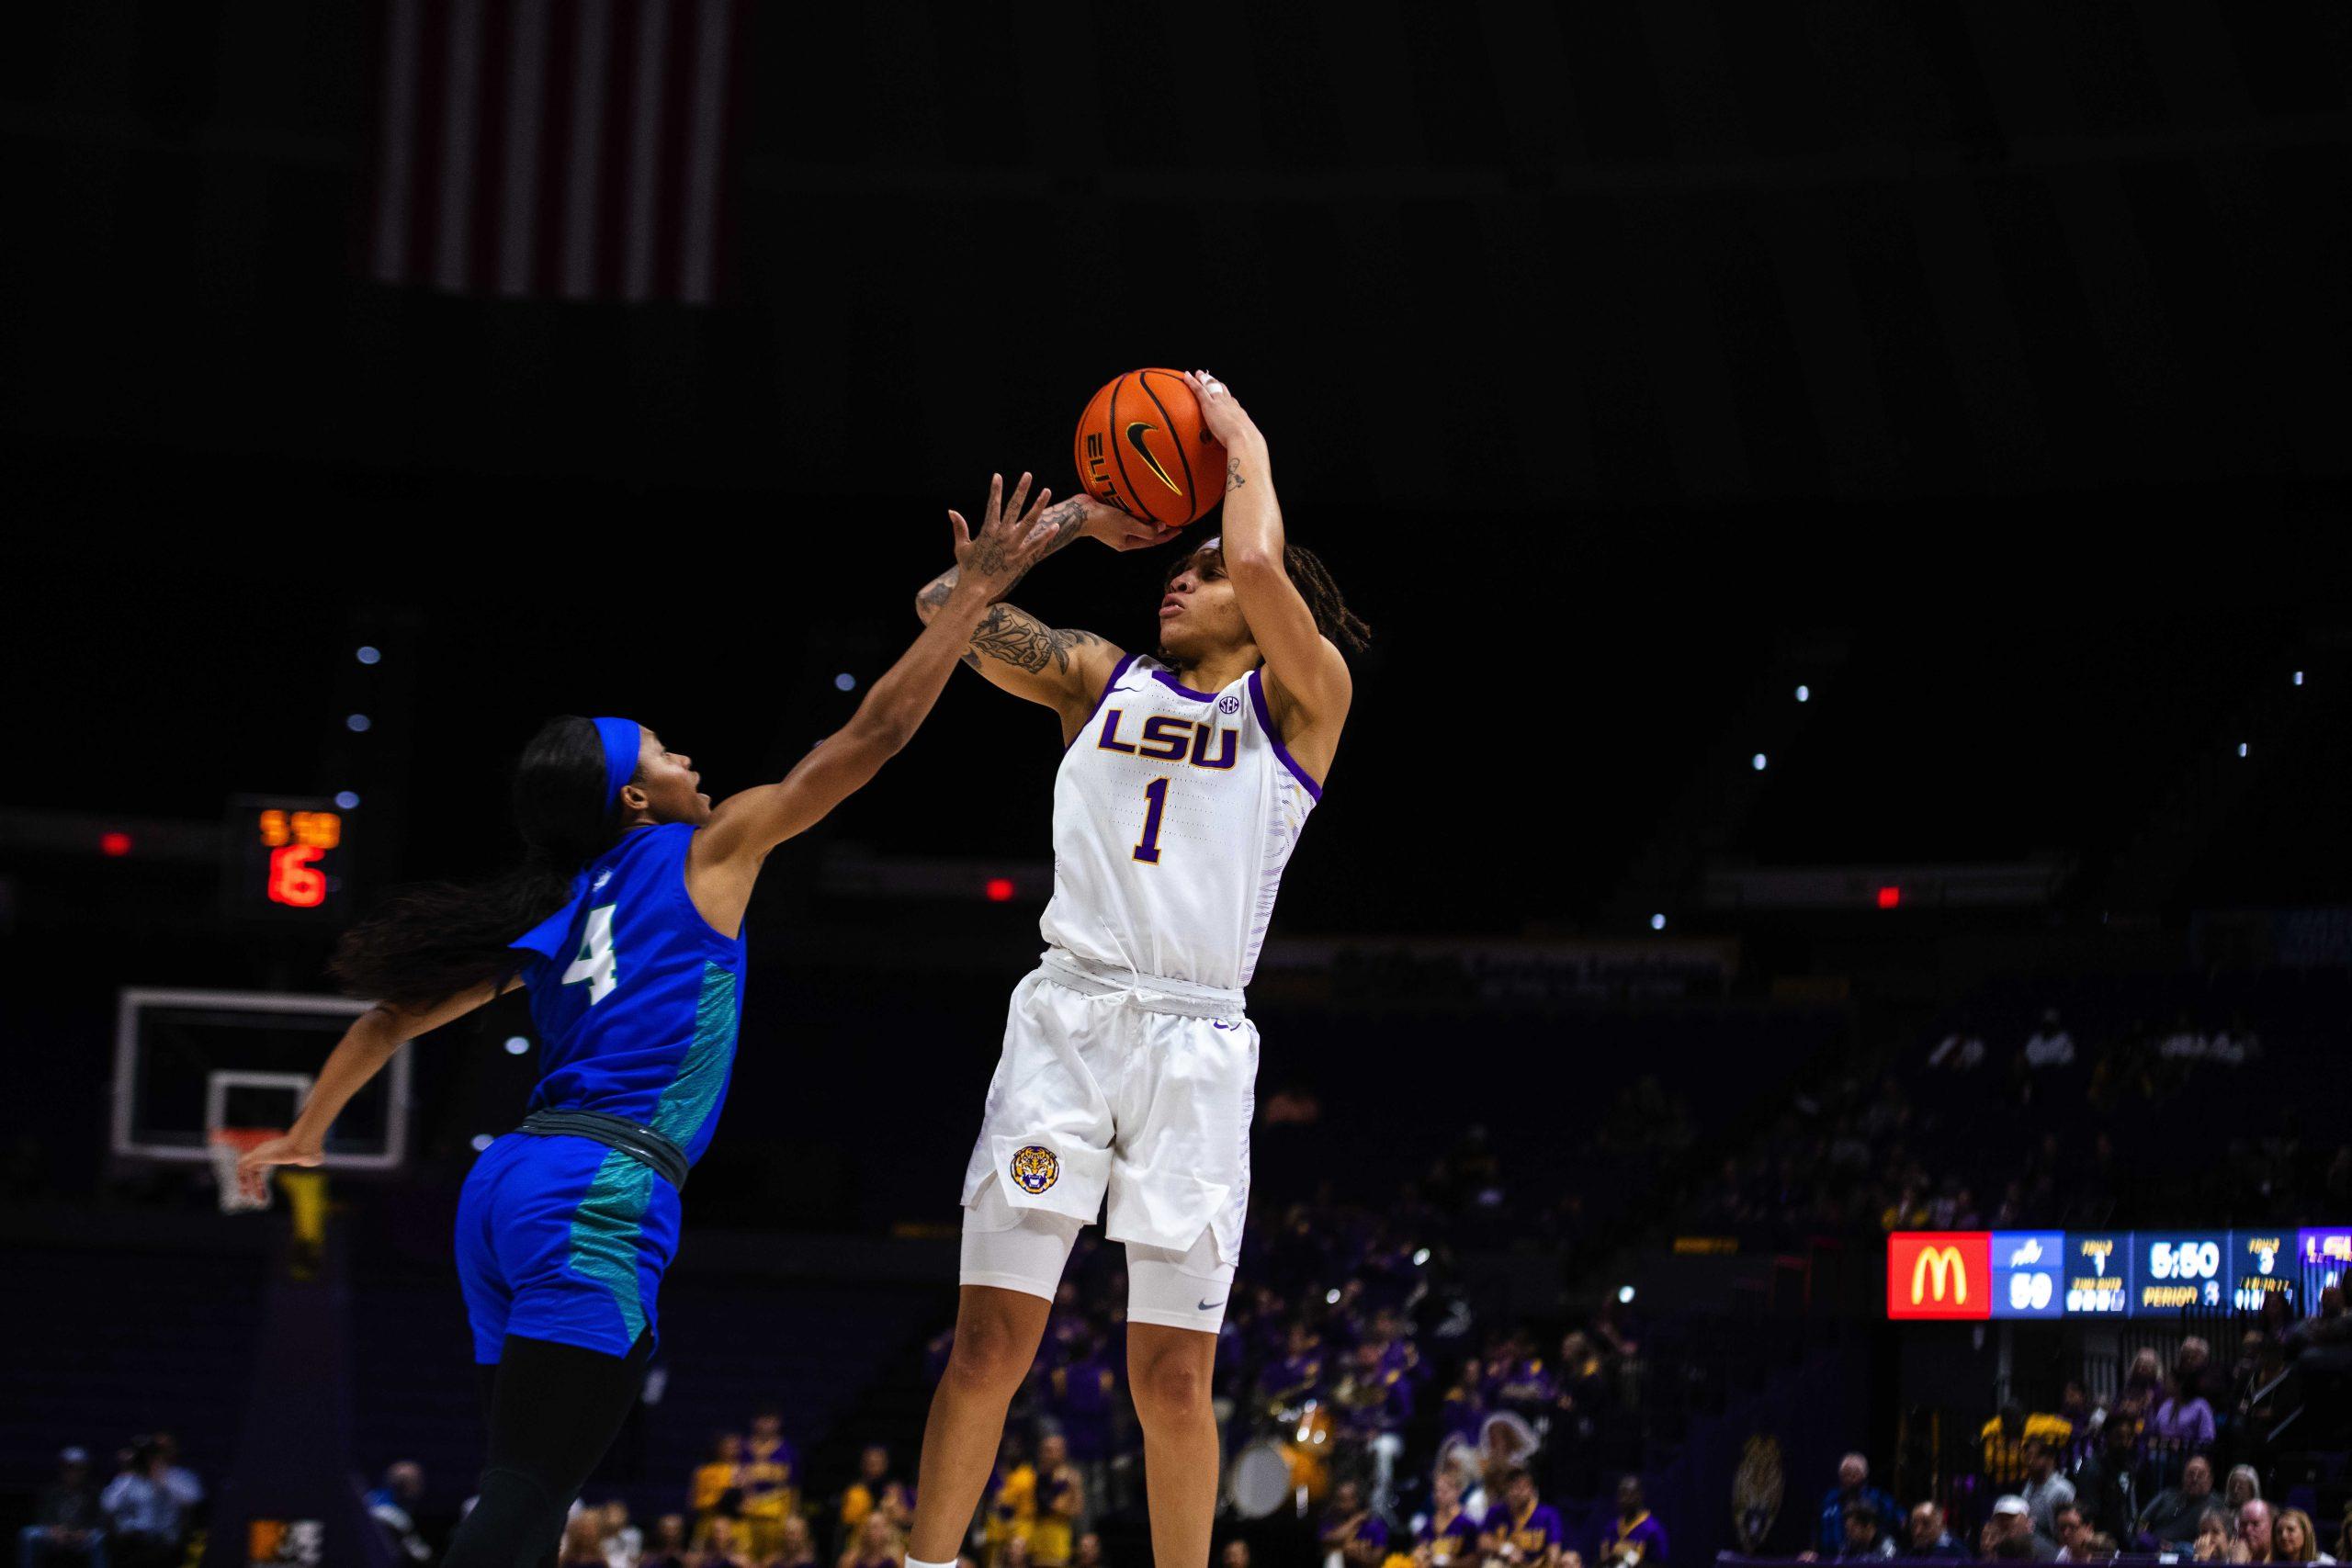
{"x": 228, "y": 1146}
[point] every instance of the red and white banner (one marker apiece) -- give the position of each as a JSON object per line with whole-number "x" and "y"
{"x": 569, "y": 149}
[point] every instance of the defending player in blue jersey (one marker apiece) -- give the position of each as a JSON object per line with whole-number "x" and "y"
{"x": 626, "y": 921}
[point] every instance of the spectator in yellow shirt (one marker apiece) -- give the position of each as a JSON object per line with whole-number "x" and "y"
{"x": 876, "y": 1545}
{"x": 769, "y": 1482}
{"x": 1012, "y": 1505}
{"x": 1061, "y": 1501}
{"x": 2006, "y": 1436}
{"x": 717, "y": 1484}
{"x": 875, "y": 1485}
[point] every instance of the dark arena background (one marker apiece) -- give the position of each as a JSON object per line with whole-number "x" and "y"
{"x": 1820, "y": 990}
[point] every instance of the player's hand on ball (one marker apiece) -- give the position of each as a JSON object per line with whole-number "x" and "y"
{"x": 1013, "y": 537}
{"x": 1120, "y": 530}
{"x": 1226, "y": 420}
{"x": 254, "y": 1164}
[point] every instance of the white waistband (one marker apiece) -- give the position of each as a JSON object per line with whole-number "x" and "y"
{"x": 1153, "y": 993}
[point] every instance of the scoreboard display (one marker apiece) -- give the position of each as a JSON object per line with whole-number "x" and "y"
{"x": 2324, "y": 1258}
{"x": 2172, "y": 1269}
{"x": 2098, "y": 1274}
{"x": 2029, "y": 1270}
{"x": 1980, "y": 1275}
{"x": 2264, "y": 1266}
{"x": 287, "y": 858}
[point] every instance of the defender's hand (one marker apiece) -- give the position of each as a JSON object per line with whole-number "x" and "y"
{"x": 254, "y": 1164}
{"x": 1009, "y": 542}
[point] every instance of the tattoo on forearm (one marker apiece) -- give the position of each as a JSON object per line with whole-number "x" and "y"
{"x": 1233, "y": 479}
{"x": 1016, "y": 637}
{"x": 1068, "y": 517}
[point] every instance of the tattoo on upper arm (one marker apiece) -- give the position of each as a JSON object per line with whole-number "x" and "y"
{"x": 1017, "y": 637}
{"x": 1233, "y": 479}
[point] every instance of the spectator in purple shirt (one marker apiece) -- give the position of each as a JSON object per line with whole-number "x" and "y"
{"x": 1522, "y": 1383}
{"x": 1634, "y": 1540}
{"x": 2194, "y": 1370}
{"x": 1463, "y": 1407}
{"x": 2184, "y": 1422}
{"x": 1450, "y": 1533}
{"x": 1299, "y": 1374}
{"x": 1352, "y": 1530}
{"x": 1081, "y": 1397}
{"x": 1522, "y": 1529}
{"x": 1375, "y": 1404}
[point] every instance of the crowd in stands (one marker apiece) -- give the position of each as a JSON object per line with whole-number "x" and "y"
{"x": 2034, "y": 1127}
{"x": 1417, "y": 1432}
{"x": 2170, "y": 1465}
{"x": 1424, "y": 1437}
{"x": 143, "y": 1516}
{"x": 2051, "y": 1519}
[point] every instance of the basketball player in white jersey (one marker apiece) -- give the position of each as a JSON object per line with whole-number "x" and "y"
{"x": 1128, "y": 1064}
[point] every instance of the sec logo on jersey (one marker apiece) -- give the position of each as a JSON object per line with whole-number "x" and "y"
{"x": 1035, "y": 1169}
{"x": 1228, "y": 704}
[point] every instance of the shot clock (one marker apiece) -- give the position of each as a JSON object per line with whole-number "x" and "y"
{"x": 287, "y": 858}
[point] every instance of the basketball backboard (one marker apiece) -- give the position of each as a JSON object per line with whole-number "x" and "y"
{"x": 188, "y": 1063}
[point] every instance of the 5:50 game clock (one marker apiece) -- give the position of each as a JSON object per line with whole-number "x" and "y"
{"x": 287, "y": 860}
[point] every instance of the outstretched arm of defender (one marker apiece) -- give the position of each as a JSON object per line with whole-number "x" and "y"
{"x": 374, "y": 1038}
{"x": 728, "y": 850}
{"x": 1311, "y": 671}
{"x": 1061, "y": 668}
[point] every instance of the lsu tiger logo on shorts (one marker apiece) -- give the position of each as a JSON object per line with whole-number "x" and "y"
{"x": 1035, "y": 1169}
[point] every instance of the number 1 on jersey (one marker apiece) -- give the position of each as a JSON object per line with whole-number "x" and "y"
{"x": 1147, "y": 847}
{"x": 594, "y": 963}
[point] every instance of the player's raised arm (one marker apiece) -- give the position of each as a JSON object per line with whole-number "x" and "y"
{"x": 729, "y": 849}
{"x": 1304, "y": 663}
{"x": 1062, "y": 668}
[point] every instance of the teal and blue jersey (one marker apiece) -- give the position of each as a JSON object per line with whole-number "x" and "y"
{"x": 636, "y": 1001}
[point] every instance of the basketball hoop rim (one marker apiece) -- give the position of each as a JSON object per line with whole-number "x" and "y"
{"x": 227, "y": 1146}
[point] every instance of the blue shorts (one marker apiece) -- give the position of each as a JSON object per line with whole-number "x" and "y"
{"x": 565, "y": 1240}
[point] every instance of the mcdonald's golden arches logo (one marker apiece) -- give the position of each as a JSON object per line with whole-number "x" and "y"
{"x": 1939, "y": 1274}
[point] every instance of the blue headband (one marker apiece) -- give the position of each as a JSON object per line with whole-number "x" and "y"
{"x": 621, "y": 738}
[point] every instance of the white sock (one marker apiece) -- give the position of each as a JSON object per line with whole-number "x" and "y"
{"x": 919, "y": 1562}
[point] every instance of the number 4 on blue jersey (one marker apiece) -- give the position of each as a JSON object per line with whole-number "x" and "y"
{"x": 594, "y": 963}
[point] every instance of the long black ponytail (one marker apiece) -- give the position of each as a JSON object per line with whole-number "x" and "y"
{"x": 436, "y": 939}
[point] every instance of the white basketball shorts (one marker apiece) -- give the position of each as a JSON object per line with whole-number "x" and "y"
{"x": 1133, "y": 1088}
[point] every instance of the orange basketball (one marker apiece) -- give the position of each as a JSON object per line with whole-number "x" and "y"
{"x": 1142, "y": 447}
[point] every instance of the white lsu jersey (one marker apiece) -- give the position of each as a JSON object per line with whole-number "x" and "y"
{"x": 1174, "y": 813}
